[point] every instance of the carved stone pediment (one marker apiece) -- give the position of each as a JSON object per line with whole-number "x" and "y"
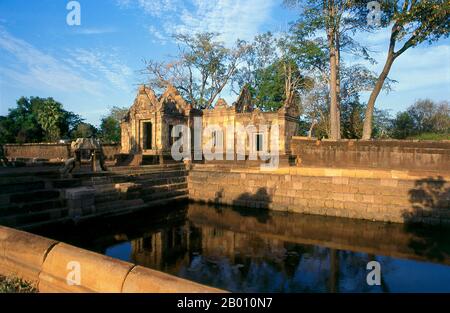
{"x": 144, "y": 101}
{"x": 221, "y": 104}
{"x": 172, "y": 102}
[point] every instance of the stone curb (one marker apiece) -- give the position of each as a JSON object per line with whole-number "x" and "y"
{"x": 55, "y": 267}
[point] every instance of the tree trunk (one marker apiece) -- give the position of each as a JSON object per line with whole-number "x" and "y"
{"x": 338, "y": 86}
{"x": 333, "y": 95}
{"x": 367, "y": 128}
{"x": 331, "y": 34}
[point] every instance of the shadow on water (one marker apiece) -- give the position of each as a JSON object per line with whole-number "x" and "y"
{"x": 430, "y": 200}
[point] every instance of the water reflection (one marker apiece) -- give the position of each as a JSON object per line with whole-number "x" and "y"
{"x": 237, "y": 250}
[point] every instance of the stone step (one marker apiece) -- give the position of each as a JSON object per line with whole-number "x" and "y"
{"x": 34, "y": 206}
{"x": 34, "y": 217}
{"x": 165, "y": 195}
{"x": 146, "y": 168}
{"x": 143, "y": 182}
{"x": 66, "y": 183}
{"x": 61, "y": 215}
{"x": 145, "y": 194}
{"x": 121, "y": 208}
{"x": 26, "y": 197}
{"x": 21, "y": 186}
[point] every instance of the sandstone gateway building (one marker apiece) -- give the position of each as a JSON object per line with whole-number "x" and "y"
{"x": 147, "y": 127}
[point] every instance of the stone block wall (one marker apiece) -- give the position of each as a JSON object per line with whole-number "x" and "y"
{"x": 51, "y": 151}
{"x": 371, "y": 195}
{"x": 387, "y": 154}
{"x": 47, "y": 151}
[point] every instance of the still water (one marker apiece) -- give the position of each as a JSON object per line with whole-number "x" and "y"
{"x": 245, "y": 250}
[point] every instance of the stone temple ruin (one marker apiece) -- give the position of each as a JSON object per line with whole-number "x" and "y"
{"x": 146, "y": 129}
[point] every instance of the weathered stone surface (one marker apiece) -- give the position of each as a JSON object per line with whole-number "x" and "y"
{"x": 403, "y": 155}
{"x": 359, "y": 195}
{"x": 22, "y": 254}
{"x": 141, "y": 279}
{"x": 98, "y": 273}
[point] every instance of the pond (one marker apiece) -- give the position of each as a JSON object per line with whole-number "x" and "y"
{"x": 248, "y": 250}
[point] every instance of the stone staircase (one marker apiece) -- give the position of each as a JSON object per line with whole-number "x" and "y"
{"x": 33, "y": 199}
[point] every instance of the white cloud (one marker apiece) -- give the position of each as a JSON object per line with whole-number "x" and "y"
{"x": 85, "y": 71}
{"x": 154, "y": 8}
{"x": 234, "y": 19}
{"x": 422, "y": 67}
{"x": 103, "y": 65}
{"x": 159, "y": 36}
{"x": 36, "y": 69}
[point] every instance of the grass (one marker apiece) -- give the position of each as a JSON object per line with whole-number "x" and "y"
{"x": 15, "y": 285}
{"x": 431, "y": 136}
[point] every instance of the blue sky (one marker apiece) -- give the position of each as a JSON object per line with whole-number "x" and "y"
{"x": 94, "y": 66}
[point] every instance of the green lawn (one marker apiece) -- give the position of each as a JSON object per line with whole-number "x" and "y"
{"x": 431, "y": 136}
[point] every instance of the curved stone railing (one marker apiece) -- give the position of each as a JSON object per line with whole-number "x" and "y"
{"x": 47, "y": 264}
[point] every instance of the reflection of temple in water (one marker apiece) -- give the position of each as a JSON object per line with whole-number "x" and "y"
{"x": 221, "y": 257}
{"x": 279, "y": 253}
{"x": 273, "y": 252}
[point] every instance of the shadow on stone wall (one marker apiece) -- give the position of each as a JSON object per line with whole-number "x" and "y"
{"x": 430, "y": 200}
{"x": 256, "y": 205}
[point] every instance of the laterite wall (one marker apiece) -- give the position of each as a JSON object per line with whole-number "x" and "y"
{"x": 385, "y": 154}
{"x": 50, "y": 151}
{"x": 389, "y": 196}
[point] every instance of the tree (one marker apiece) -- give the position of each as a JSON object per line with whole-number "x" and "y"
{"x": 260, "y": 55}
{"x": 352, "y": 114}
{"x": 424, "y": 116}
{"x": 403, "y": 126}
{"x": 414, "y": 22}
{"x": 84, "y": 130}
{"x": 268, "y": 88}
{"x": 335, "y": 19}
{"x": 48, "y": 115}
{"x": 110, "y": 125}
{"x": 201, "y": 70}
{"x": 271, "y": 70}
{"x": 21, "y": 125}
{"x": 68, "y": 122}
{"x": 37, "y": 119}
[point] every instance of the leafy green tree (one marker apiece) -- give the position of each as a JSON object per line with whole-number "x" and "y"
{"x": 403, "y": 126}
{"x": 37, "y": 119}
{"x": 48, "y": 115}
{"x": 323, "y": 31}
{"x": 21, "y": 125}
{"x": 382, "y": 124}
{"x": 69, "y": 121}
{"x": 84, "y": 130}
{"x": 352, "y": 115}
{"x": 424, "y": 116}
{"x": 413, "y": 22}
{"x": 110, "y": 125}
